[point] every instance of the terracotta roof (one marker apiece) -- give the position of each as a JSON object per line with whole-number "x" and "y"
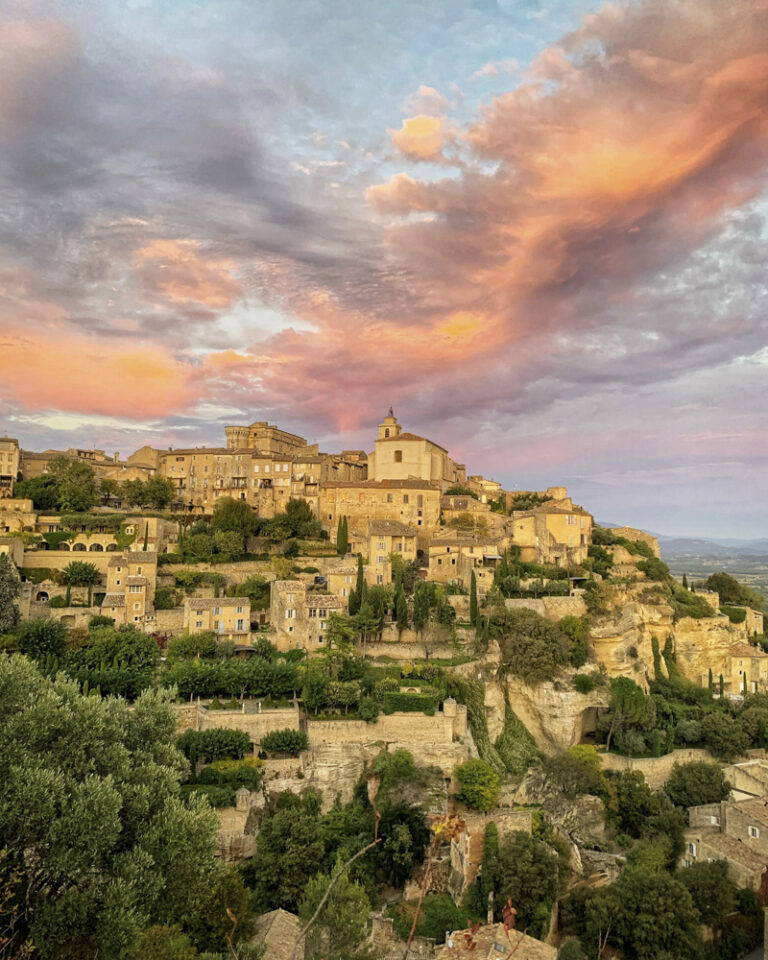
{"x": 746, "y": 650}
{"x": 756, "y": 808}
{"x": 412, "y": 484}
{"x": 190, "y": 451}
{"x": 492, "y": 942}
{"x": 136, "y": 581}
{"x": 117, "y": 562}
{"x": 328, "y": 600}
{"x": 208, "y": 603}
{"x": 410, "y": 436}
{"x": 146, "y": 556}
{"x": 389, "y": 528}
{"x": 456, "y": 540}
{"x": 113, "y": 600}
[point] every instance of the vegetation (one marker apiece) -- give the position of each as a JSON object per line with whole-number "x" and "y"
{"x": 10, "y": 587}
{"x": 479, "y": 785}
{"x": 693, "y": 784}
{"x": 287, "y": 741}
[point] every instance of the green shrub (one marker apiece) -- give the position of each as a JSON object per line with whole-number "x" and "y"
{"x": 734, "y": 614}
{"x": 58, "y": 602}
{"x": 236, "y": 773}
{"x": 583, "y": 683}
{"x": 165, "y": 599}
{"x": 287, "y": 741}
{"x": 368, "y": 709}
{"x": 479, "y": 784}
{"x": 217, "y": 796}
{"x": 409, "y": 703}
{"x": 213, "y": 744}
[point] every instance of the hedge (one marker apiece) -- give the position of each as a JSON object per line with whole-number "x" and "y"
{"x": 236, "y": 773}
{"x": 217, "y": 796}
{"x": 409, "y": 703}
{"x": 252, "y": 678}
{"x": 285, "y": 741}
{"x": 213, "y": 744}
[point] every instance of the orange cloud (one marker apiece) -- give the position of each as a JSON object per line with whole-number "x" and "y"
{"x": 60, "y": 372}
{"x": 177, "y": 271}
{"x": 421, "y": 137}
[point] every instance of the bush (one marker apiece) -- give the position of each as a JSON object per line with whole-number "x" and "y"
{"x": 165, "y": 599}
{"x": 58, "y": 602}
{"x": 409, "y": 703}
{"x": 217, "y": 796}
{"x": 583, "y": 683}
{"x": 368, "y": 709}
{"x": 693, "y": 784}
{"x": 213, "y": 744}
{"x": 99, "y": 621}
{"x": 287, "y": 741}
{"x": 479, "y": 784}
{"x": 234, "y": 773}
{"x": 532, "y": 647}
{"x": 734, "y": 614}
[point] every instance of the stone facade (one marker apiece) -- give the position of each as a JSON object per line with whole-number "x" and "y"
{"x": 736, "y": 831}
{"x": 415, "y": 503}
{"x": 228, "y": 617}
{"x": 299, "y": 615}
{"x": 9, "y": 465}
{"x": 406, "y": 456}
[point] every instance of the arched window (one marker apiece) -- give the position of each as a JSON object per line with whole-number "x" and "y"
{"x": 96, "y": 548}
{"x": 386, "y": 432}
{"x": 79, "y": 546}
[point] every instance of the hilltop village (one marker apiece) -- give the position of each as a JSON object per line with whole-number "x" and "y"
{"x": 352, "y": 633}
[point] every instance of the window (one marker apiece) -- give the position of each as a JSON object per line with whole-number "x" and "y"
{"x": 405, "y": 498}
{"x": 381, "y": 559}
{"x": 255, "y": 468}
{"x": 290, "y": 614}
{"x": 389, "y": 498}
{"x": 379, "y": 578}
{"x": 322, "y": 613}
{"x": 134, "y": 589}
{"x": 753, "y": 832}
{"x": 382, "y": 545}
{"x": 453, "y": 561}
{"x": 238, "y": 609}
{"x": 399, "y": 548}
{"x": 439, "y": 563}
{"x": 398, "y": 456}
{"x": 199, "y": 613}
{"x": 692, "y": 849}
{"x": 137, "y": 606}
{"x": 343, "y": 591}
{"x": 714, "y": 821}
{"x": 179, "y": 459}
{"x": 240, "y": 625}
{"x": 312, "y": 612}
{"x": 266, "y": 468}
{"x": 323, "y": 624}
{"x": 198, "y": 624}
{"x": 217, "y": 611}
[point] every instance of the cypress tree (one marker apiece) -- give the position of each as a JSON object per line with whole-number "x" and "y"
{"x": 354, "y": 603}
{"x": 745, "y": 683}
{"x": 401, "y": 608}
{"x": 711, "y": 681}
{"x": 342, "y": 537}
{"x": 420, "y": 607}
{"x": 685, "y": 582}
{"x": 722, "y": 685}
{"x": 473, "y": 608}
{"x": 360, "y": 584}
{"x": 146, "y": 535}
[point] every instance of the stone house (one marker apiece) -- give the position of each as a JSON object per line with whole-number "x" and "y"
{"x": 415, "y": 503}
{"x": 484, "y": 488}
{"x": 736, "y": 831}
{"x": 15, "y": 514}
{"x": 453, "y": 558}
{"x": 407, "y": 456}
{"x": 12, "y": 547}
{"x": 387, "y": 537}
{"x": 341, "y": 580}
{"x": 299, "y": 615}
{"x": 557, "y": 532}
{"x": 745, "y": 663}
{"x": 9, "y": 465}
{"x": 278, "y": 932}
{"x": 228, "y": 617}
{"x": 131, "y": 581}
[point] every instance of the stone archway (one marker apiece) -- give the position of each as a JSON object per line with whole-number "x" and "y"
{"x": 42, "y": 596}
{"x": 96, "y": 548}
{"x": 79, "y": 546}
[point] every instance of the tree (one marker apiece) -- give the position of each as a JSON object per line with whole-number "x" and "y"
{"x": 634, "y": 804}
{"x": 401, "y": 607}
{"x": 341, "y": 925}
{"x": 92, "y": 817}
{"x": 339, "y": 635}
{"x": 696, "y": 783}
{"x": 256, "y": 588}
{"x": 656, "y": 917}
{"x": 228, "y": 544}
{"x": 159, "y": 492}
{"x": 531, "y": 875}
{"x": 316, "y": 681}
{"x": 342, "y": 537}
{"x": 473, "y": 607}
{"x": 10, "y": 587}
{"x": 421, "y": 605}
{"x": 43, "y": 491}
{"x": 479, "y": 784}
{"x": 289, "y": 851}
{"x": 134, "y": 492}
{"x": 723, "y": 735}
{"x": 77, "y": 484}
{"x": 726, "y": 587}
{"x": 41, "y": 636}
{"x": 357, "y": 594}
{"x": 532, "y": 647}
{"x": 712, "y": 891}
{"x": 287, "y": 741}
{"x": 234, "y": 516}
{"x": 80, "y": 573}
{"x": 628, "y": 705}
{"x": 164, "y": 943}
{"x": 194, "y": 646}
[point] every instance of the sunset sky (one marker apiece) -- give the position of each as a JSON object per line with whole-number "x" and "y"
{"x": 537, "y": 228}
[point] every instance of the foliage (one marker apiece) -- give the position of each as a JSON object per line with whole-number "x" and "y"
{"x": 162, "y": 942}
{"x": 527, "y": 500}
{"x": 686, "y": 603}
{"x": 125, "y": 645}
{"x": 696, "y": 783}
{"x": 459, "y": 491}
{"x": 409, "y": 703}
{"x": 79, "y": 573}
{"x": 532, "y": 647}
{"x": 253, "y": 678}
{"x": 479, "y": 784}
{"x": 233, "y": 516}
{"x": 629, "y": 707}
{"x": 41, "y": 636}
{"x": 731, "y": 591}
{"x": 654, "y": 569}
{"x": 213, "y": 744}
{"x": 724, "y": 737}
{"x": 601, "y": 559}
{"x": 43, "y": 491}
{"x": 712, "y": 891}
{"x": 577, "y": 771}
{"x": 10, "y": 587}
{"x": 583, "y": 683}
{"x": 157, "y": 492}
{"x": 166, "y": 599}
{"x": 655, "y": 917}
{"x": 238, "y": 773}
{"x": 515, "y": 746}
{"x": 341, "y": 924}
{"x": 532, "y": 876}
{"x": 287, "y": 741}
{"x": 77, "y": 484}
{"x": 342, "y": 537}
{"x": 92, "y": 818}
{"x": 194, "y": 646}
{"x": 439, "y": 915}
{"x": 734, "y": 614}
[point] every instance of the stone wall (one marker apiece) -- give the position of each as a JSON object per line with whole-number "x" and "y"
{"x": 71, "y": 616}
{"x": 58, "y": 559}
{"x": 169, "y": 621}
{"x": 553, "y": 608}
{"x": 656, "y": 770}
{"x": 256, "y": 725}
{"x": 395, "y": 727}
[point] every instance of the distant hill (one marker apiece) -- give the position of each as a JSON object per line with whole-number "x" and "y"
{"x": 714, "y": 547}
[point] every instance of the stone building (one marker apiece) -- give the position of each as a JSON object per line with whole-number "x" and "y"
{"x": 299, "y": 615}
{"x": 736, "y": 831}
{"x": 12, "y": 547}
{"x": 104, "y": 466}
{"x": 268, "y": 439}
{"x": 15, "y": 514}
{"x": 556, "y": 532}
{"x": 407, "y": 456}
{"x": 131, "y": 580}
{"x": 386, "y": 537}
{"x": 9, "y": 465}
{"x": 453, "y": 557}
{"x": 485, "y": 489}
{"x": 228, "y": 617}
{"x": 415, "y": 503}
{"x": 492, "y": 942}
{"x": 341, "y": 580}
{"x": 746, "y": 669}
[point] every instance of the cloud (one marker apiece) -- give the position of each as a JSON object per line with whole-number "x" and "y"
{"x": 494, "y": 68}
{"x": 176, "y": 270}
{"x": 421, "y": 137}
{"x": 427, "y": 100}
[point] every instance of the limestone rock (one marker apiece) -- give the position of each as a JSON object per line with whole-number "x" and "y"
{"x": 556, "y": 717}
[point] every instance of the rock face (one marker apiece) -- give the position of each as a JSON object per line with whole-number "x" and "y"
{"x": 556, "y": 718}
{"x": 704, "y": 644}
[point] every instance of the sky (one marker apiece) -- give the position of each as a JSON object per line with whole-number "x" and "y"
{"x": 536, "y": 228}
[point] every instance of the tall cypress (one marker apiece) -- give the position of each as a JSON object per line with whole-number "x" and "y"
{"x": 401, "y": 607}
{"x": 360, "y": 584}
{"x": 685, "y": 582}
{"x": 342, "y": 537}
{"x": 473, "y": 608}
